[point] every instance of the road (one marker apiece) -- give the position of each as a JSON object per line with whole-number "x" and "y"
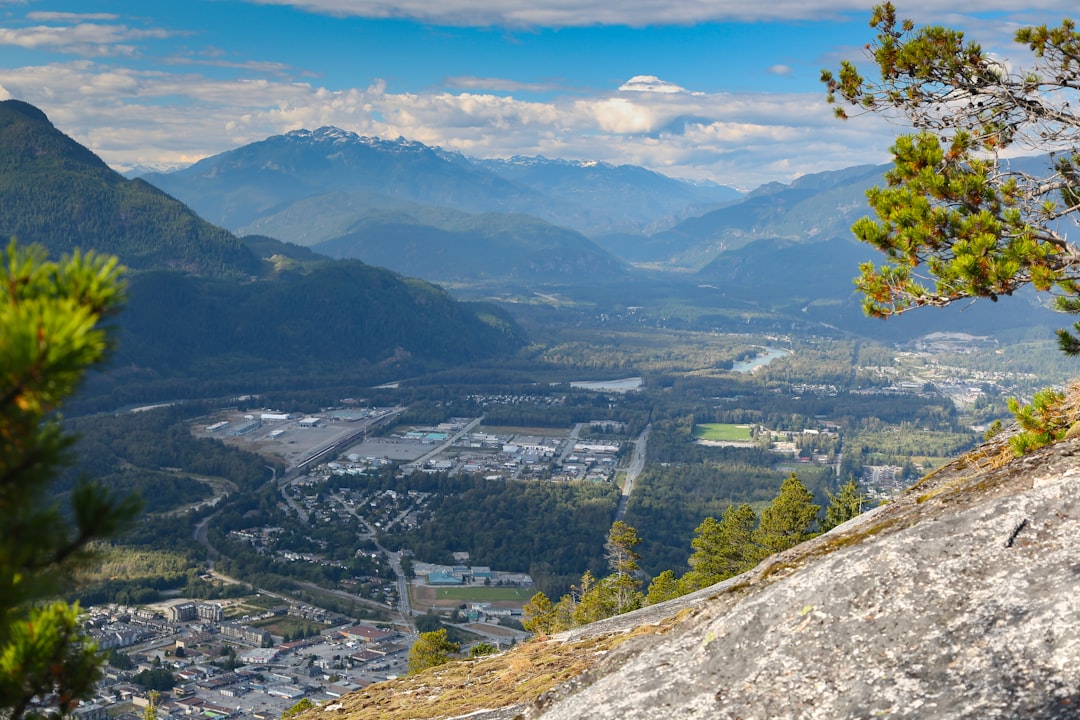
{"x": 571, "y": 441}
{"x": 637, "y": 464}
{"x": 446, "y": 445}
{"x": 394, "y": 558}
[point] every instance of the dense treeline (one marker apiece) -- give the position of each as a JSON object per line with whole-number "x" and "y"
{"x": 684, "y": 483}
{"x": 57, "y": 193}
{"x": 339, "y": 314}
{"x": 129, "y": 446}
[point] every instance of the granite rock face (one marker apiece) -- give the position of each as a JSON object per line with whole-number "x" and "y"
{"x": 959, "y": 600}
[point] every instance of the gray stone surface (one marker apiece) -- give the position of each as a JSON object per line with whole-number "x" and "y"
{"x": 960, "y": 600}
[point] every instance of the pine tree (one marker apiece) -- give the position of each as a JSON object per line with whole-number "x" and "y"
{"x": 788, "y": 520}
{"x": 955, "y": 219}
{"x": 431, "y": 650}
{"x": 664, "y": 586}
{"x": 52, "y": 329}
{"x": 623, "y": 561}
{"x": 538, "y": 615}
{"x": 844, "y": 505}
{"x": 723, "y": 549}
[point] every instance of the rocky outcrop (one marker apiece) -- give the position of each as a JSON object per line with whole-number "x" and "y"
{"x": 961, "y": 599}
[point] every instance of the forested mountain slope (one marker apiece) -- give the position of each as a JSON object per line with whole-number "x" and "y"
{"x": 56, "y": 192}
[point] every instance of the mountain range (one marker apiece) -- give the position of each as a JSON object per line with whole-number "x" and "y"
{"x": 784, "y": 249}
{"x": 441, "y": 216}
{"x": 204, "y": 304}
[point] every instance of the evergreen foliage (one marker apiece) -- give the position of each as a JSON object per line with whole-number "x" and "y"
{"x": 1041, "y": 423}
{"x": 57, "y": 193}
{"x": 431, "y": 650}
{"x": 51, "y": 332}
{"x": 788, "y": 520}
{"x": 722, "y": 549}
{"x": 844, "y": 505}
{"x": 952, "y": 209}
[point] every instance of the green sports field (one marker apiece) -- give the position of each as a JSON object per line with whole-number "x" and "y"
{"x": 479, "y": 593}
{"x": 724, "y": 432}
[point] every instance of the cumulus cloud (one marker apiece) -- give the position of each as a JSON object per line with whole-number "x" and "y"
{"x": 639, "y": 13}
{"x": 90, "y": 39}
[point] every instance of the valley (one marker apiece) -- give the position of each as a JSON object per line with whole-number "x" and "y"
{"x": 448, "y": 418}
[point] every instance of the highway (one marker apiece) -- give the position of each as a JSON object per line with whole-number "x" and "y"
{"x": 637, "y": 464}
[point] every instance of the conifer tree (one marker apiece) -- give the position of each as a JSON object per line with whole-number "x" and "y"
{"x": 956, "y": 219}
{"x": 538, "y": 615}
{"x": 52, "y": 329}
{"x": 723, "y": 549}
{"x": 844, "y": 505}
{"x": 664, "y": 586}
{"x": 788, "y": 520}
{"x": 430, "y": 650}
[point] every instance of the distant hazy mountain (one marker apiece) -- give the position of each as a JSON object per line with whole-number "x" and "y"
{"x": 814, "y": 208}
{"x": 250, "y": 189}
{"x": 55, "y": 192}
{"x": 613, "y": 198}
{"x": 446, "y": 245}
{"x": 206, "y": 306}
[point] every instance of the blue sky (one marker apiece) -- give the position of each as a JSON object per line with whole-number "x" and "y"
{"x": 706, "y": 89}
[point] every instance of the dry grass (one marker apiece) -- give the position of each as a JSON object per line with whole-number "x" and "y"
{"x": 519, "y": 675}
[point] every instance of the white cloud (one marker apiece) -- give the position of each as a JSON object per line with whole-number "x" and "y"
{"x": 158, "y": 117}
{"x": 563, "y": 13}
{"x": 650, "y": 83}
{"x": 44, "y": 16}
{"x": 88, "y": 39}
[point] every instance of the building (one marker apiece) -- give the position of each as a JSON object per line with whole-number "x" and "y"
{"x": 210, "y": 611}
{"x": 246, "y": 634}
{"x": 181, "y": 612}
{"x": 365, "y": 633}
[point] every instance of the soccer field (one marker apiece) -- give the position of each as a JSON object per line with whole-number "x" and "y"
{"x": 723, "y": 432}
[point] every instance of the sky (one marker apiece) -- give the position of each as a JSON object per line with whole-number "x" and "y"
{"x": 720, "y": 90}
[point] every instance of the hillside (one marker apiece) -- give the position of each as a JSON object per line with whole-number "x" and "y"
{"x": 307, "y": 186}
{"x": 447, "y": 245}
{"x": 56, "y": 192}
{"x": 205, "y": 311}
{"x": 613, "y": 198}
{"x": 814, "y": 208}
{"x": 956, "y": 600}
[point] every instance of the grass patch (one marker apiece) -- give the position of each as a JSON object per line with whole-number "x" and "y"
{"x": 485, "y": 594}
{"x": 723, "y": 432}
{"x": 518, "y": 676}
{"x": 285, "y": 625}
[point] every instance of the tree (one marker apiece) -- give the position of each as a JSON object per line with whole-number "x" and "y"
{"x": 788, "y": 520}
{"x": 53, "y": 319}
{"x": 664, "y": 586}
{"x": 623, "y": 561}
{"x": 844, "y": 505}
{"x": 538, "y": 615}
{"x": 952, "y": 211}
{"x": 482, "y": 648}
{"x": 302, "y": 705}
{"x": 722, "y": 549}
{"x": 430, "y": 650}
